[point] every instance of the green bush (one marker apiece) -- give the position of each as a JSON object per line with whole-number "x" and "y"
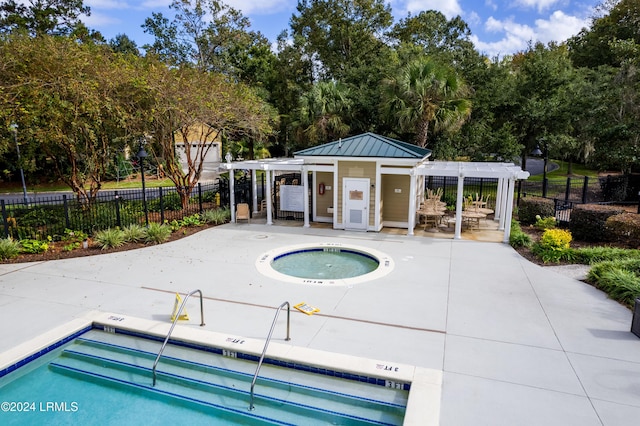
{"x": 588, "y": 221}
{"x": 624, "y": 228}
{"x": 134, "y": 233}
{"x": 109, "y": 238}
{"x": 170, "y": 201}
{"x": 591, "y": 255}
{"x": 545, "y": 223}
{"x": 34, "y": 246}
{"x": 217, "y": 216}
{"x": 517, "y": 238}
{"x": 553, "y": 246}
{"x": 157, "y": 233}
{"x": 620, "y": 279}
{"x": 530, "y": 207}
{"x": 193, "y": 220}
{"x": 9, "y": 248}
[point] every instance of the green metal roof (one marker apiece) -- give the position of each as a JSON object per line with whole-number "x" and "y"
{"x": 366, "y": 145}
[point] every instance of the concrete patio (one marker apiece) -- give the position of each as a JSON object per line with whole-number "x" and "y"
{"x": 518, "y": 344}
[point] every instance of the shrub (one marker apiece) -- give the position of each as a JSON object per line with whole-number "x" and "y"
{"x": 553, "y": 245}
{"x": 109, "y": 238}
{"x": 170, "y": 201}
{"x": 217, "y": 216}
{"x": 620, "y": 279}
{"x": 624, "y": 228}
{"x": 530, "y": 207}
{"x": 34, "y": 246}
{"x": 546, "y": 223}
{"x": 588, "y": 221}
{"x": 193, "y": 220}
{"x": 134, "y": 233}
{"x": 9, "y": 248}
{"x": 517, "y": 238}
{"x": 157, "y": 233}
{"x": 591, "y": 255}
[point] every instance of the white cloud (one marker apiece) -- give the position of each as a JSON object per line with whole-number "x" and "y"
{"x": 540, "y": 5}
{"x": 262, "y": 7}
{"x": 559, "y": 27}
{"x": 449, "y": 8}
{"x": 107, "y": 4}
{"x": 100, "y": 20}
{"x": 491, "y": 5}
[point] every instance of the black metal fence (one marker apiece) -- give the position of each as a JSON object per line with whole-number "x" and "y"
{"x": 486, "y": 188}
{"x": 49, "y": 216}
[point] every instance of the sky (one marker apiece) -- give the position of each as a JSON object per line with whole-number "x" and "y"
{"x": 498, "y": 27}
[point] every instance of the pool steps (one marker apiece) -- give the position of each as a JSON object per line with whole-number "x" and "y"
{"x": 206, "y": 385}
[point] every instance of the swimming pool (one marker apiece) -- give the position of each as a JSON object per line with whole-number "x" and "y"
{"x": 325, "y": 263}
{"x": 103, "y": 372}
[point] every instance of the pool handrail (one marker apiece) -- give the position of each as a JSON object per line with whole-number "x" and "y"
{"x": 173, "y": 324}
{"x": 266, "y": 344}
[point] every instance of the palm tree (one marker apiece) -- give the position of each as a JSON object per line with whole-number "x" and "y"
{"x": 424, "y": 93}
{"x": 322, "y": 114}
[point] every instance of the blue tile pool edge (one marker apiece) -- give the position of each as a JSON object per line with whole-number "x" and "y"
{"x": 249, "y": 357}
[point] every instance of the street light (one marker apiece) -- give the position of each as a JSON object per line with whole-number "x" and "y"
{"x": 142, "y": 154}
{"x": 545, "y": 153}
{"x": 14, "y": 129}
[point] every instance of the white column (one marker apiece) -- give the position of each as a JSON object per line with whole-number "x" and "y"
{"x": 412, "y": 203}
{"x": 459, "y": 204}
{"x": 232, "y": 195}
{"x": 305, "y": 185}
{"x": 504, "y": 197}
{"x": 269, "y": 197}
{"x": 254, "y": 190}
{"x": 508, "y": 210}
{"x": 499, "y": 194}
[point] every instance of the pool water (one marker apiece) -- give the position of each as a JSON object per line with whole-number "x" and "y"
{"x": 324, "y": 263}
{"x": 105, "y": 378}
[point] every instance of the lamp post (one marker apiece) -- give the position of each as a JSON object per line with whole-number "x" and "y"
{"x": 142, "y": 154}
{"x": 545, "y": 153}
{"x": 14, "y": 129}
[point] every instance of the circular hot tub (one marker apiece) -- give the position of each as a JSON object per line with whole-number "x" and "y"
{"x": 324, "y": 263}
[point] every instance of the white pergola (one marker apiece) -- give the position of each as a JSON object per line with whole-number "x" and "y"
{"x": 268, "y": 165}
{"x": 506, "y": 173}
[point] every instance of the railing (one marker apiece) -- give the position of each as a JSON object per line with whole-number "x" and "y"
{"x": 266, "y": 344}
{"x": 173, "y": 324}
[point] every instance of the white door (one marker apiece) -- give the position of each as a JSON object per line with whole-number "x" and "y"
{"x": 356, "y": 203}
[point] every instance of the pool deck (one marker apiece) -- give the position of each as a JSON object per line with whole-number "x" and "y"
{"x": 518, "y": 344}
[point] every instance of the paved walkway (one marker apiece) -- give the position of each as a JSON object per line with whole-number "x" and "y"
{"x": 519, "y": 344}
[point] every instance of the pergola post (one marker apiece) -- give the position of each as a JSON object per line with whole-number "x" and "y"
{"x": 305, "y": 185}
{"x": 232, "y": 194}
{"x": 511, "y": 184}
{"x": 412, "y": 202}
{"x": 459, "y": 204}
{"x": 268, "y": 178}
{"x": 254, "y": 190}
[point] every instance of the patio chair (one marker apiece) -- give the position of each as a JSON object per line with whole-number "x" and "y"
{"x": 242, "y": 212}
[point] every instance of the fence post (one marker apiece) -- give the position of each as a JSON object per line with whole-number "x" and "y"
{"x": 444, "y": 187}
{"x": 117, "y": 200}
{"x": 161, "y": 204}
{"x": 585, "y": 188}
{"x": 567, "y": 191}
{"x": 4, "y": 219}
{"x": 200, "y": 196}
{"x": 66, "y": 211}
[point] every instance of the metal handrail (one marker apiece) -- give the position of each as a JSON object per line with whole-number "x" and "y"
{"x": 266, "y": 344}
{"x": 173, "y": 324}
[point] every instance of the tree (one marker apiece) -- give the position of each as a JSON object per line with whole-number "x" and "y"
{"x": 433, "y": 35}
{"x": 190, "y": 103}
{"x": 121, "y": 43}
{"x": 426, "y": 93}
{"x": 40, "y": 17}
{"x": 68, "y": 100}
{"x": 210, "y": 35}
{"x": 320, "y": 117}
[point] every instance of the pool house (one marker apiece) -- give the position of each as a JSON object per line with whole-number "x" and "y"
{"x": 365, "y": 183}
